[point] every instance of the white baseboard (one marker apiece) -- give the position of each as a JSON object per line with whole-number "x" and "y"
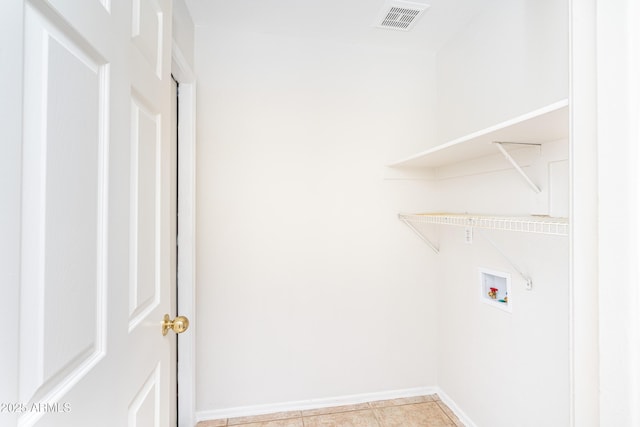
{"x": 300, "y": 405}
{"x": 464, "y": 418}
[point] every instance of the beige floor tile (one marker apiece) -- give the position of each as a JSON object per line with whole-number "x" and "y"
{"x": 262, "y": 418}
{"x": 450, "y": 414}
{"x": 401, "y": 401}
{"x": 213, "y": 423}
{"x": 335, "y": 409}
{"x": 291, "y": 422}
{"x": 426, "y": 414}
{"x": 364, "y": 418}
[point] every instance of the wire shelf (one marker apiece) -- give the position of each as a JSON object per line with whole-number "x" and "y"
{"x": 529, "y": 224}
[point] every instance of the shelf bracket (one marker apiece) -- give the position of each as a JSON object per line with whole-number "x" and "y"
{"x": 515, "y": 164}
{"x": 527, "y": 279}
{"x": 424, "y": 239}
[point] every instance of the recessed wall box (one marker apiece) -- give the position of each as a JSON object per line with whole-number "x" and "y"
{"x": 495, "y": 288}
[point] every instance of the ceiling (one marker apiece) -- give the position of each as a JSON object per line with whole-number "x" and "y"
{"x": 348, "y": 21}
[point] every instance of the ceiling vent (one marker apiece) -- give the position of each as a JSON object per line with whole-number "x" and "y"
{"x": 400, "y": 15}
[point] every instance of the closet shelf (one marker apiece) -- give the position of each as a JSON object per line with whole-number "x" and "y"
{"x": 526, "y": 224}
{"x": 546, "y": 124}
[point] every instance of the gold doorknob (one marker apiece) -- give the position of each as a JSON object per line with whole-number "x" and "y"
{"x": 179, "y": 324}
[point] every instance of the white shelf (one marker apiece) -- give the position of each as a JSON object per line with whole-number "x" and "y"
{"x": 546, "y": 124}
{"x": 526, "y": 224}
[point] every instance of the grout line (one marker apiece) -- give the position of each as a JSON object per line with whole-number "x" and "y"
{"x": 376, "y": 415}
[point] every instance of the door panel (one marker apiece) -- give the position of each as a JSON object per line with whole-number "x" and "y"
{"x": 64, "y": 202}
{"x": 147, "y": 32}
{"x": 11, "y": 29}
{"x": 152, "y": 385}
{"x": 144, "y": 409}
{"x": 145, "y": 216}
{"x": 96, "y": 211}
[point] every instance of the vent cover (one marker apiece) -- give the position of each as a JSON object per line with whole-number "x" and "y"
{"x": 400, "y": 15}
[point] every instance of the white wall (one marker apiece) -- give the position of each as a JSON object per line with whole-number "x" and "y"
{"x": 510, "y": 60}
{"x": 505, "y": 369}
{"x": 308, "y": 285}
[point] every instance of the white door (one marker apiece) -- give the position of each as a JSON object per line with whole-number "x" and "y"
{"x": 91, "y": 224}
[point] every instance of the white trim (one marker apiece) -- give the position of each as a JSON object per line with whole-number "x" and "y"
{"x": 464, "y": 418}
{"x": 300, "y": 405}
{"x": 187, "y": 235}
{"x": 584, "y": 375}
{"x": 618, "y": 112}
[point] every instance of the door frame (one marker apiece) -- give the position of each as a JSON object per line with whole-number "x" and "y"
{"x": 605, "y": 201}
{"x": 186, "y": 270}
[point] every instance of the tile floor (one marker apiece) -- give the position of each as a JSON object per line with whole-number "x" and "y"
{"x": 421, "y": 411}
